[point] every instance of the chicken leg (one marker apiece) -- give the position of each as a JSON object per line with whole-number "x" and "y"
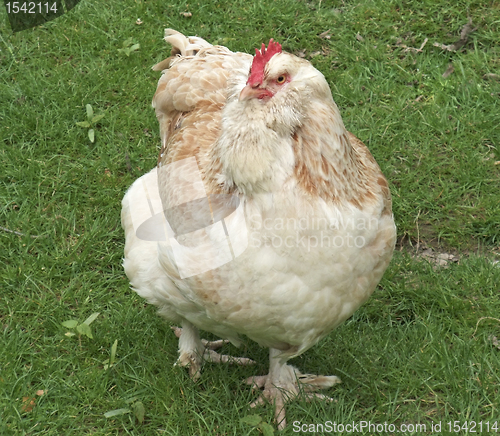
{"x": 193, "y": 351}
{"x": 285, "y": 382}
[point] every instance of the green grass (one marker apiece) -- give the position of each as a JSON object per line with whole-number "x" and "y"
{"x": 420, "y": 351}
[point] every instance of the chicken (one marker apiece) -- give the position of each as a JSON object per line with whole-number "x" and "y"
{"x": 264, "y": 217}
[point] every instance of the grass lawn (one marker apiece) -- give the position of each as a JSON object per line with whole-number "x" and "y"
{"x": 423, "y": 350}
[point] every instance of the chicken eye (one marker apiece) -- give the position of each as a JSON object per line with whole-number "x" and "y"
{"x": 281, "y": 79}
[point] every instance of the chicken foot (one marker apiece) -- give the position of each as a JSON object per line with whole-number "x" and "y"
{"x": 193, "y": 351}
{"x": 285, "y": 382}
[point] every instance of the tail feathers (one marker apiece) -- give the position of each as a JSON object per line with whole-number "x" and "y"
{"x": 181, "y": 45}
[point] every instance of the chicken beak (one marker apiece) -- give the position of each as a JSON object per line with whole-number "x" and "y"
{"x": 249, "y": 92}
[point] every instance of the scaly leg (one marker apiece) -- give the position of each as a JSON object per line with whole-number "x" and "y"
{"x": 193, "y": 351}
{"x": 282, "y": 384}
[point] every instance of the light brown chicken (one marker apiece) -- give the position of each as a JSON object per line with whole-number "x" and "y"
{"x": 264, "y": 218}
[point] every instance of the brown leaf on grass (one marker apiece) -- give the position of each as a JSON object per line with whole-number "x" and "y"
{"x": 467, "y": 30}
{"x": 186, "y": 14}
{"x": 448, "y": 71}
{"x": 494, "y": 341}
{"x": 438, "y": 259}
{"x": 28, "y": 404}
{"x": 464, "y": 36}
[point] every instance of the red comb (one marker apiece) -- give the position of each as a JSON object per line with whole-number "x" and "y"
{"x": 260, "y": 60}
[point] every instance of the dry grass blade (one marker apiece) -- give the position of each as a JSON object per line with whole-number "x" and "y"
{"x": 4, "y": 229}
{"x": 325, "y": 34}
{"x": 412, "y": 49}
{"x": 481, "y": 319}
